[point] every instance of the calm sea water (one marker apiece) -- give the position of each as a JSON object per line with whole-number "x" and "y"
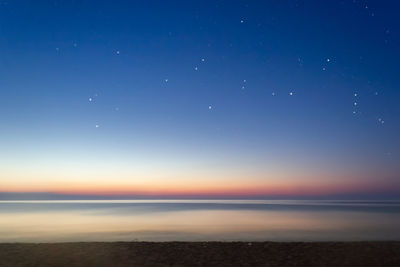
{"x": 198, "y": 220}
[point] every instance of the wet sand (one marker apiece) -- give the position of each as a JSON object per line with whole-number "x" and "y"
{"x": 201, "y": 254}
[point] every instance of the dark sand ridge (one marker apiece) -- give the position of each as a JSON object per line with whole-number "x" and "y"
{"x": 201, "y": 254}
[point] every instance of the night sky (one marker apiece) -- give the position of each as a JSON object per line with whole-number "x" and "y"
{"x": 242, "y": 98}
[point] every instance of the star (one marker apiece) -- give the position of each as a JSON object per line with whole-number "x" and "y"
{"x": 90, "y": 99}
{"x": 97, "y": 126}
{"x": 75, "y": 44}
{"x": 323, "y": 68}
{"x": 328, "y": 60}
{"x": 241, "y": 21}
{"x": 244, "y": 81}
{"x": 355, "y": 103}
{"x": 117, "y": 52}
{"x": 202, "y": 60}
{"x": 195, "y": 68}
{"x": 209, "y": 107}
{"x": 273, "y": 93}
{"x": 166, "y": 80}
{"x": 291, "y": 93}
{"x": 355, "y": 94}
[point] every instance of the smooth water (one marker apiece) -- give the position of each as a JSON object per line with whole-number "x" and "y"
{"x": 198, "y": 220}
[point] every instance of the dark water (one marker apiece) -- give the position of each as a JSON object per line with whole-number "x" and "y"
{"x": 195, "y": 220}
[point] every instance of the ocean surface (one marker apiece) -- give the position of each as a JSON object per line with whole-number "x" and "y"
{"x": 198, "y": 220}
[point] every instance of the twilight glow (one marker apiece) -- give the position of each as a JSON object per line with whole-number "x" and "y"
{"x": 210, "y": 98}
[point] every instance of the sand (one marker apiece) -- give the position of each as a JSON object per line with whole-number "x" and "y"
{"x": 201, "y": 254}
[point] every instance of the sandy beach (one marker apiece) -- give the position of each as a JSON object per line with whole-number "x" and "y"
{"x": 201, "y": 254}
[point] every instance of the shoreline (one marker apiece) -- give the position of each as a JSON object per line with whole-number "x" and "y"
{"x": 357, "y": 253}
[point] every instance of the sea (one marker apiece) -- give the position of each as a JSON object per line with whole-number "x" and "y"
{"x": 198, "y": 220}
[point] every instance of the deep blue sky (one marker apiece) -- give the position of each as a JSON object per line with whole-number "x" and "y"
{"x": 199, "y": 90}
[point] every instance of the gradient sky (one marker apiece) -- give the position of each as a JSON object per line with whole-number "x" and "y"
{"x": 266, "y": 98}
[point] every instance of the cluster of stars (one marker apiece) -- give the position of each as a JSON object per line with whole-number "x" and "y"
{"x": 91, "y": 99}
{"x": 355, "y": 103}
{"x": 74, "y": 44}
{"x": 291, "y": 93}
{"x": 243, "y": 87}
{"x": 365, "y": 7}
{"x": 328, "y": 60}
{"x": 210, "y": 107}
{"x": 202, "y": 61}
{"x": 195, "y": 68}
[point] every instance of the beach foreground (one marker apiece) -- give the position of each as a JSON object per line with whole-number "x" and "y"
{"x": 201, "y": 254}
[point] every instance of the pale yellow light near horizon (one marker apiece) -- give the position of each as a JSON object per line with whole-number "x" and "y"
{"x": 114, "y": 174}
{"x": 120, "y": 179}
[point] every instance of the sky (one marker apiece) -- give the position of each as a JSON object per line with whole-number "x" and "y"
{"x": 200, "y": 98}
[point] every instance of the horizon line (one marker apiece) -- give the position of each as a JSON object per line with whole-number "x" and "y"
{"x": 29, "y": 195}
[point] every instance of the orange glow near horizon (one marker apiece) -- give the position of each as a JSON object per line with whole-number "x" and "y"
{"x": 168, "y": 181}
{"x": 235, "y": 189}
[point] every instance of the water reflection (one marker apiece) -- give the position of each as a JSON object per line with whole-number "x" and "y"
{"x": 166, "y": 220}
